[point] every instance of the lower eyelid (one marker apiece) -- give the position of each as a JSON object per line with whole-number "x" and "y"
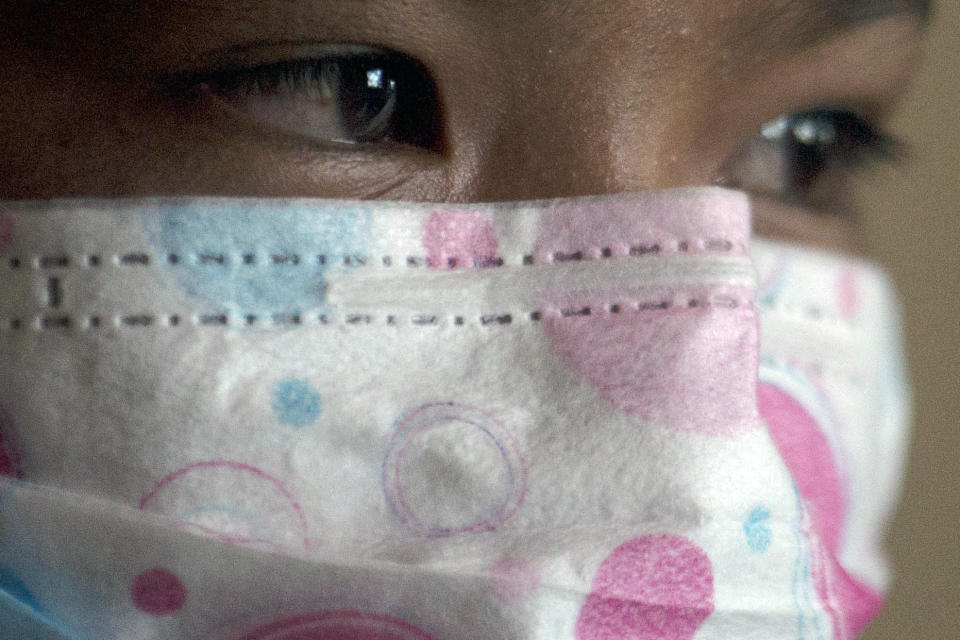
{"x": 777, "y": 220}
{"x": 232, "y": 125}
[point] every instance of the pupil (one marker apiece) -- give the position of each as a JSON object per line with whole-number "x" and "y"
{"x": 368, "y": 98}
{"x": 810, "y": 145}
{"x": 815, "y": 129}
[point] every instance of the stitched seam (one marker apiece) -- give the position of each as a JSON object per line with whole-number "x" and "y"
{"x": 810, "y": 314}
{"x": 48, "y": 322}
{"x": 48, "y": 262}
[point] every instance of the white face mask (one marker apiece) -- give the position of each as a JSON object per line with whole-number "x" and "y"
{"x": 319, "y": 420}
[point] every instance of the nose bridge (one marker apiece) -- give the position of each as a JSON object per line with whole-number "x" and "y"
{"x": 555, "y": 137}
{"x": 544, "y": 148}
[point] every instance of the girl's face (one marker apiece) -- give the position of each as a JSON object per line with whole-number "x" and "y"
{"x": 455, "y": 100}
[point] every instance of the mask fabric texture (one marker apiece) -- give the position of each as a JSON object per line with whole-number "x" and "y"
{"x": 233, "y": 419}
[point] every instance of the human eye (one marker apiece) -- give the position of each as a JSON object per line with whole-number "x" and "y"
{"x": 807, "y": 158}
{"x": 347, "y": 96}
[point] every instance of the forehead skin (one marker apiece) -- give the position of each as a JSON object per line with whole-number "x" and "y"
{"x": 540, "y": 98}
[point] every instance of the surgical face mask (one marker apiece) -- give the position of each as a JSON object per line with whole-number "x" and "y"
{"x": 583, "y": 419}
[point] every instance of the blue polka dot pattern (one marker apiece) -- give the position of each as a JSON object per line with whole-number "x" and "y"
{"x": 239, "y": 259}
{"x": 295, "y": 403}
{"x": 757, "y": 529}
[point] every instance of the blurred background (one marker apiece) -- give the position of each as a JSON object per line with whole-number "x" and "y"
{"x": 913, "y": 224}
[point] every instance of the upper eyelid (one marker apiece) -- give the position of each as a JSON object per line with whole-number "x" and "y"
{"x": 416, "y": 118}
{"x": 779, "y": 163}
{"x": 256, "y": 55}
{"x": 870, "y": 139}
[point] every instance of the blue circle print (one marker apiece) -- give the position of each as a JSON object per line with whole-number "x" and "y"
{"x": 248, "y": 256}
{"x": 295, "y": 403}
{"x": 757, "y": 529}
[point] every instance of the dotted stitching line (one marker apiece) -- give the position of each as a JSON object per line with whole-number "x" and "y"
{"x": 60, "y": 321}
{"x": 214, "y": 259}
{"x": 812, "y": 314}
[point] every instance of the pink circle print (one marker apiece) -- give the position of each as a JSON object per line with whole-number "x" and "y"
{"x": 459, "y": 239}
{"x": 683, "y": 360}
{"x": 339, "y": 625}
{"x": 231, "y": 501}
{"x": 807, "y": 453}
{"x": 158, "y": 592}
{"x": 453, "y": 469}
{"x": 657, "y": 587}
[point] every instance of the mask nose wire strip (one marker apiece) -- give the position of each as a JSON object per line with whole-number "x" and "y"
{"x": 509, "y": 287}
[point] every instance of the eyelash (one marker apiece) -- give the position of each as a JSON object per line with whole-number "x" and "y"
{"x": 377, "y": 97}
{"x": 382, "y": 98}
{"x": 805, "y": 157}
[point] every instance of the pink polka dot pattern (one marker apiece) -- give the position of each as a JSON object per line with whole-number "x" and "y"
{"x": 158, "y": 592}
{"x": 808, "y": 456}
{"x": 682, "y": 367}
{"x": 657, "y": 587}
{"x": 687, "y": 366}
{"x": 677, "y": 221}
{"x": 514, "y": 579}
{"x": 457, "y": 240}
{"x": 339, "y": 625}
